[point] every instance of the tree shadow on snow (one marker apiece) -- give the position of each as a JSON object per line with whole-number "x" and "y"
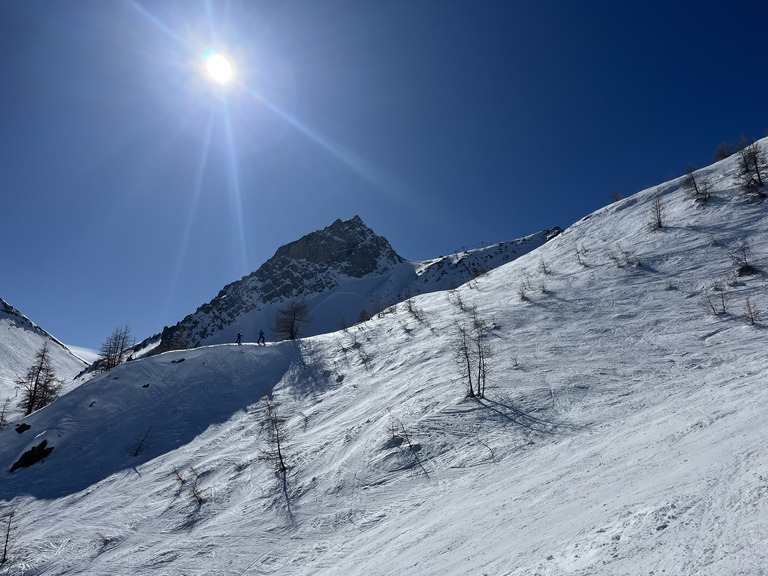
{"x": 509, "y": 412}
{"x": 311, "y": 375}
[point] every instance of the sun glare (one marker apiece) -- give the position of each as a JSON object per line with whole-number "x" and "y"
{"x": 219, "y": 68}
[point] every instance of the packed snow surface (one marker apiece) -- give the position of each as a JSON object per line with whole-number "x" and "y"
{"x": 622, "y": 431}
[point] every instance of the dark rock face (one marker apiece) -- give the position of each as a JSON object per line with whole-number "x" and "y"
{"x": 348, "y": 246}
{"x": 314, "y": 262}
{"x": 32, "y": 456}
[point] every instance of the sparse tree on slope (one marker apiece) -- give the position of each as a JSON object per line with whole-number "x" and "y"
{"x": 724, "y": 150}
{"x": 472, "y": 349}
{"x": 464, "y": 356}
{"x": 364, "y": 316}
{"x": 275, "y": 431}
{"x": 8, "y": 529}
{"x": 39, "y": 386}
{"x": 114, "y": 350}
{"x": 481, "y": 339}
{"x": 657, "y": 213}
{"x": 4, "y": 422}
{"x": 750, "y": 171}
{"x": 290, "y": 319}
{"x": 698, "y": 187}
{"x": 276, "y": 437}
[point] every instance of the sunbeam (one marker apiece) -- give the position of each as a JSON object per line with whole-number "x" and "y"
{"x": 192, "y": 210}
{"x": 155, "y": 21}
{"x": 220, "y": 69}
{"x": 235, "y": 103}
{"x": 375, "y": 176}
{"x": 235, "y": 192}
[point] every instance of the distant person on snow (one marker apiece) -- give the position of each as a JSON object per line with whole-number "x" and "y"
{"x": 261, "y": 339}
{"x": 239, "y": 338}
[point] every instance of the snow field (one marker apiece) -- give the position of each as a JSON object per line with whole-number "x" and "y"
{"x": 623, "y": 429}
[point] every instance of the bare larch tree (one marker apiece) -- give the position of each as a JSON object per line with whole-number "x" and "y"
{"x": 39, "y": 386}
{"x": 290, "y": 319}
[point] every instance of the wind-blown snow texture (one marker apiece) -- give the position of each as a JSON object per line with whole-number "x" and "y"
{"x": 339, "y": 271}
{"x": 20, "y": 340}
{"x": 623, "y": 430}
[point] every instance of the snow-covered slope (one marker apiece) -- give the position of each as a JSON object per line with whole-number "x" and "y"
{"x": 623, "y": 429}
{"x": 20, "y": 341}
{"x": 340, "y": 272}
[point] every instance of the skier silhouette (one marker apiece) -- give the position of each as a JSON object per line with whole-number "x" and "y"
{"x": 261, "y": 339}
{"x": 239, "y": 338}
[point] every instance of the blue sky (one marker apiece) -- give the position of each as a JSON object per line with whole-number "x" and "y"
{"x": 133, "y": 188}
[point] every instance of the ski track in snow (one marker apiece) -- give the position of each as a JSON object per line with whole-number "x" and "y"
{"x": 622, "y": 433}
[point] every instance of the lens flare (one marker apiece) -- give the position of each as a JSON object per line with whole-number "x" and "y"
{"x": 219, "y": 68}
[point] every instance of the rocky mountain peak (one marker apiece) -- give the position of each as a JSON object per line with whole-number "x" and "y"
{"x": 313, "y": 264}
{"x": 348, "y": 246}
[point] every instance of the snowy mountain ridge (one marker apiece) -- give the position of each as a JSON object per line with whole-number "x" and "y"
{"x": 20, "y": 340}
{"x": 622, "y": 429}
{"x": 342, "y": 271}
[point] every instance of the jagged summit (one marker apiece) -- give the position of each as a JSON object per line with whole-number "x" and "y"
{"x": 348, "y": 245}
{"x": 345, "y": 248}
{"x": 343, "y": 271}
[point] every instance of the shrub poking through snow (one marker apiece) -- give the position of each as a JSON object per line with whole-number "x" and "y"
{"x": 697, "y": 187}
{"x": 751, "y": 314}
{"x": 581, "y": 255}
{"x": 402, "y": 440}
{"x": 742, "y": 258}
{"x": 715, "y": 301}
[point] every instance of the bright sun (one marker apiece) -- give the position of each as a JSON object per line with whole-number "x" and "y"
{"x": 219, "y": 68}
